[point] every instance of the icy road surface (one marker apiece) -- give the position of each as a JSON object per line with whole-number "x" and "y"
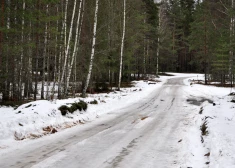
{"x": 145, "y": 135}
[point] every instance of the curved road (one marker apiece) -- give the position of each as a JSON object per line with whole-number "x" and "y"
{"x": 145, "y": 134}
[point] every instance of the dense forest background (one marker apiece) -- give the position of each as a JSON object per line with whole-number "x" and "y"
{"x": 59, "y": 48}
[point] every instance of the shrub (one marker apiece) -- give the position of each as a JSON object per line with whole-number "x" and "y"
{"x": 64, "y": 109}
{"x": 73, "y": 108}
{"x": 94, "y": 102}
{"x": 78, "y": 106}
{"x": 83, "y": 105}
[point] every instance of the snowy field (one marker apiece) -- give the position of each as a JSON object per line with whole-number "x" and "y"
{"x": 211, "y": 108}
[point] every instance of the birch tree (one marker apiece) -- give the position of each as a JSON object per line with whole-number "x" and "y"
{"x": 77, "y": 37}
{"x": 68, "y": 42}
{"x": 122, "y": 44}
{"x": 63, "y": 35}
{"x": 92, "y": 50}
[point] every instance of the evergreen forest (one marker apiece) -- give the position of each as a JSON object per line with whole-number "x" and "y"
{"x": 53, "y": 49}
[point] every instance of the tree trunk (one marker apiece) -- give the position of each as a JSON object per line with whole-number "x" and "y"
{"x": 75, "y": 45}
{"x": 63, "y": 35}
{"x": 92, "y": 50}
{"x": 68, "y": 43}
{"x": 122, "y": 44}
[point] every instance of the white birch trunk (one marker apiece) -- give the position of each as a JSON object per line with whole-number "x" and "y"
{"x": 80, "y": 25}
{"x": 68, "y": 42}
{"x": 63, "y": 35}
{"x": 65, "y": 22}
{"x": 122, "y": 45}
{"x": 92, "y": 50}
{"x": 75, "y": 45}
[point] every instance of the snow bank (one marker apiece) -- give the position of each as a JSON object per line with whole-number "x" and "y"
{"x": 218, "y": 145}
{"x": 39, "y": 118}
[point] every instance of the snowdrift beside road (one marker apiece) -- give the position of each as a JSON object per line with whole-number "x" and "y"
{"x": 216, "y": 148}
{"x": 39, "y": 118}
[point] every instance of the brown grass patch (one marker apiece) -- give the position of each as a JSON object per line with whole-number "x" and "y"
{"x": 143, "y": 118}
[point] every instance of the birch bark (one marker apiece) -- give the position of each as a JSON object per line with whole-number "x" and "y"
{"x": 80, "y": 30}
{"x": 75, "y": 45}
{"x": 65, "y": 22}
{"x": 122, "y": 44}
{"x": 63, "y": 35}
{"x": 68, "y": 43}
{"x": 92, "y": 50}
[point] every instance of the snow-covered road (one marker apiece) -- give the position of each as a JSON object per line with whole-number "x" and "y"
{"x": 145, "y": 134}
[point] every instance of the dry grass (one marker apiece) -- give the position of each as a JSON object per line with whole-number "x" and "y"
{"x": 143, "y": 118}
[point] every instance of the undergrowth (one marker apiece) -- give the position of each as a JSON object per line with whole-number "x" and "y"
{"x": 81, "y": 105}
